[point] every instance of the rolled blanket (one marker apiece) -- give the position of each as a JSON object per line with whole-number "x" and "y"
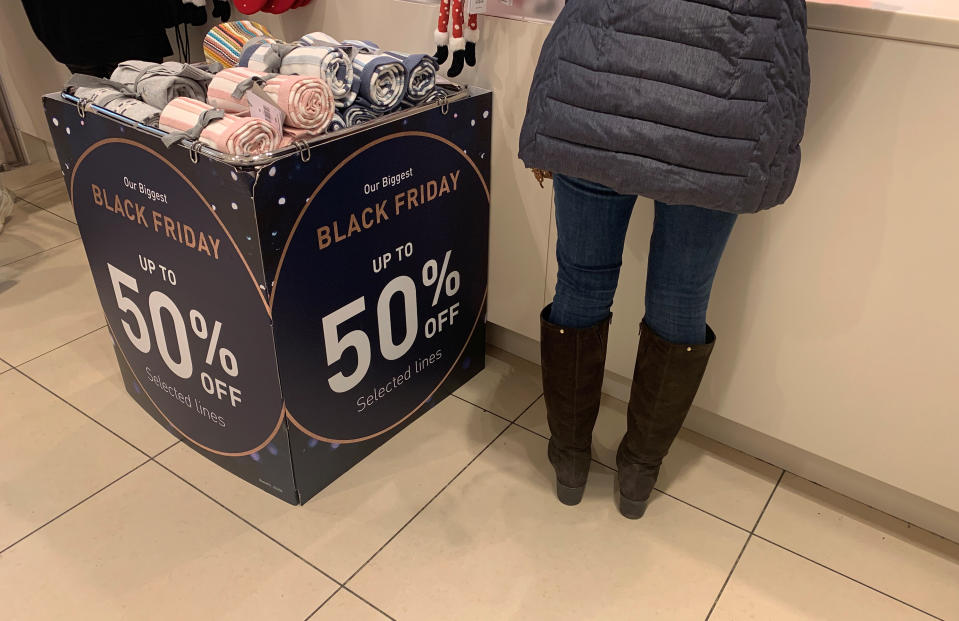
{"x": 318, "y": 38}
{"x": 380, "y": 81}
{"x": 224, "y": 42}
{"x": 306, "y": 101}
{"x": 358, "y": 114}
{"x": 337, "y": 123}
{"x": 264, "y": 54}
{"x": 228, "y": 88}
{"x": 324, "y": 61}
{"x": 420, "y": 74}
{"x": 230, "y": 134}
{"x": 362, "y": 47}
{"x": 158, "y": 84}
{"x": 291, "y": 135}
{"x": 114, "y": 97}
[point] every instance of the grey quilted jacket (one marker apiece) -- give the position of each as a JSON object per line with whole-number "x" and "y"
{"x": 696, "y": 102}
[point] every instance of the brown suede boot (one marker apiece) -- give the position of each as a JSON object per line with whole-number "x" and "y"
{"x": 665, "y": 381}
{"x": 574, "y": 360}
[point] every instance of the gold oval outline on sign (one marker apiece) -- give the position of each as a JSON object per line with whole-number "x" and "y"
{"x": 296, "y": 225}
{"x": 76, "y": 167}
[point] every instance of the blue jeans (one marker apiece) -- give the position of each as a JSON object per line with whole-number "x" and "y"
{"x": 686, "y": 246}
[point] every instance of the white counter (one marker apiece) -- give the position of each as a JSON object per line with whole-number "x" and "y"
{"x": 924, "y": 21}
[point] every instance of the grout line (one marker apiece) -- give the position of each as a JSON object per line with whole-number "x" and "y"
{"x": 325, "y": 601}
{"x": 741, "y": 552}
{"x": 689, "y": 504}
{"x": 370, "y": 604}
{"x": 166, "y": 449}
{"x": 60, "y": 515}
{"x": 467, "y": 401}
{"x": 52, "y": 213}
{"x": 76, "y": 239}
{"x": 131, "y": 444}
{"x": 527, "y": 408}
{"x": 247, "y": 522}
{"x": 728, "y": 577}
{"x": 39, "y": 206}
{"x": 768, "y": 501}
{"x": 435, "y": 496}
{"x": 61, "y": 345}
{"x": 847, "y": 577}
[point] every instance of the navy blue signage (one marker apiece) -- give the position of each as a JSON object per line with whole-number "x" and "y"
{"x": 380, "y": 285}
{"x": 181, "y": 301}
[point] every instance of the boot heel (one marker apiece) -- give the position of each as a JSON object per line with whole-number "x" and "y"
{"x": 632, "y": 509}
{"x": 570, "y": 496}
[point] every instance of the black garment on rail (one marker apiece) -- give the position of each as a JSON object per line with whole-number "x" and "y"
{"x": 93, "y": 37}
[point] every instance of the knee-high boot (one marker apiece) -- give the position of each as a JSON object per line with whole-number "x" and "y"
{"x": 574, "y": 360}
{"x": 665, "y": 381}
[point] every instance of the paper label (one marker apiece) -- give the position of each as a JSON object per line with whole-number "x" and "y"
{"x": 477, "y": 6}
{"x": 263, "y": 107}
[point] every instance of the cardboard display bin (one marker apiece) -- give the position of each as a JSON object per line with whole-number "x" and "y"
{"x": 285, "y": 315}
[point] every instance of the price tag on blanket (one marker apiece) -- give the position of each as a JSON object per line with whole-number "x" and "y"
{"x": 180, "y": 300}
{"x": 380, "y": 286}
{"x": 262, "y": 106}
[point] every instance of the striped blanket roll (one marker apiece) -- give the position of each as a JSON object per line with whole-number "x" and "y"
{"x": 112, "y": 96}
{"x": 328, "y": 62}
{"x": 264, "y": 54}
{"x": 358, "y": 114}
{"x": 362, "y": 47}
{"x": 420, "y": 74}
{"x": 291, "y": 135}
{"x": 306, "y": 101}
{"x": 380, "y": 81}
{"x": 318, "y": 38}
{"x": 337, "y": 123}
{"x": 231, "y": 134}
{"x": 223, "y": 93}
{"x": 115, "y": 101}
{"x": 224, "y": 42}
{"x": 159, "y": 83}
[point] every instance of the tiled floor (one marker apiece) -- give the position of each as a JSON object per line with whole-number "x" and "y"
{"x": 104, "y": 515}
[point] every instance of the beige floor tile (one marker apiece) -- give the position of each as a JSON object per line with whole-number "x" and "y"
{"x": 152, "y": 547}
{"x": 771, "y": 583}
{"x": 51, "y": 457}
{"x": 906, "y": 562}
{"x": 45, "y": 301}
{"x": 496, "y": 544}
{"x": 50, "y": 195}
{"x": 29, "y": 175}
{"x": 507, "y": 386}
{"x": 343, "y": 526}
{"x": 3, "y": 366}
{"x": 347, "y": 607}
{"x": 86, "y": 374}
{"x": 703, "y": 472}
{"x": 31, "y": 230}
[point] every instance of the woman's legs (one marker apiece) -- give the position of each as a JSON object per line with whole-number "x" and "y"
{"x": 592, "y": 223}
{"x": 674, "y": 344}
{"x": 684, "y": 252}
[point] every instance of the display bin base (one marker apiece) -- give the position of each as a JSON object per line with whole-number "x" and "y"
{"x": 286, "y": 315}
